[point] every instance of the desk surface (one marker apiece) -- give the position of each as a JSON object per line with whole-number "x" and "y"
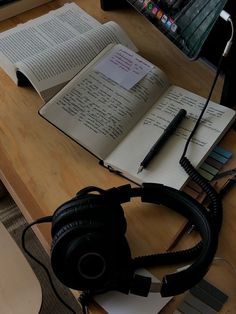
{"x": 42, "y": 168}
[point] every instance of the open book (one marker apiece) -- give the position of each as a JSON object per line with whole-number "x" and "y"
{"x": 48, "y": 51}
{"x": 118, "y": 106}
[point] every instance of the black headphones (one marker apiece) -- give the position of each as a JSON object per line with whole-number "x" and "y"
{"x": 90, "y": 252}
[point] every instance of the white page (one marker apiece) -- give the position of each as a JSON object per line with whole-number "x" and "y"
{"x": 165, "y": 167}
{"x": 60, "y": 64}
{"x": 45, "y": 32}
{"x": 42, "y": 34}
{"x": 98, "y": 113}
{"x": 116, "y": 302}
{"x": 124, "y": 67}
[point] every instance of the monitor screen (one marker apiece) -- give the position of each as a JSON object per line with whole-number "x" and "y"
{"x": 187, "y": 23}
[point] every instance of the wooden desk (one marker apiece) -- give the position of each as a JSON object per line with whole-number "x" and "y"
{"x": 42, "y": 168}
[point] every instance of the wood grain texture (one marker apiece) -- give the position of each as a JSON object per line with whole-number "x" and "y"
{"x": 42, "y": 168}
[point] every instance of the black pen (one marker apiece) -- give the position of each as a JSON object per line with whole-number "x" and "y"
{"x": 163, "y": 139}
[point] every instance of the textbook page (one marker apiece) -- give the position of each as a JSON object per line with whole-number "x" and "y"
{"x": 41, "y": 34}
{"x": 165, "y": 168}
{"x": 51, "y": 69}
{"x": 97, "y": 112}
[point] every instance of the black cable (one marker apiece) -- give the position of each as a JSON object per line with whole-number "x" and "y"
{"x": 84, "y": 299}
{"x": 215, "y": 207}
{"x": 218, "y": 71}
{"x": 39, "y": 221}
{"x": 204, "y": 108}
{"x": 215, "y": 202}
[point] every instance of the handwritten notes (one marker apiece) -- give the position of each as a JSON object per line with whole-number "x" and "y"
{"x": 124, "y": 67}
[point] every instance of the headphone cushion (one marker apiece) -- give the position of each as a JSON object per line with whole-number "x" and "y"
{"x": 81, "y": 227}
{"x": 89, "y": 207}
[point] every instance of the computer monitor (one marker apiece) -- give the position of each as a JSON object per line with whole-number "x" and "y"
{"x": 187, "y": 23}
{"x": 194, "y": 26}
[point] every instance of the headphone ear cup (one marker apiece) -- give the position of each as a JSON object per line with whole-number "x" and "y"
{"x": 89, "y": 244}
{"x": 68, "y": 212}
{"x": 84, "y": 257}
{"x": 89, "y": 207}
{"x": 82, "y": 227}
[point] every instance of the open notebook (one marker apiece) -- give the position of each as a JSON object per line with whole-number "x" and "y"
{"x": 119, "y": 105}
